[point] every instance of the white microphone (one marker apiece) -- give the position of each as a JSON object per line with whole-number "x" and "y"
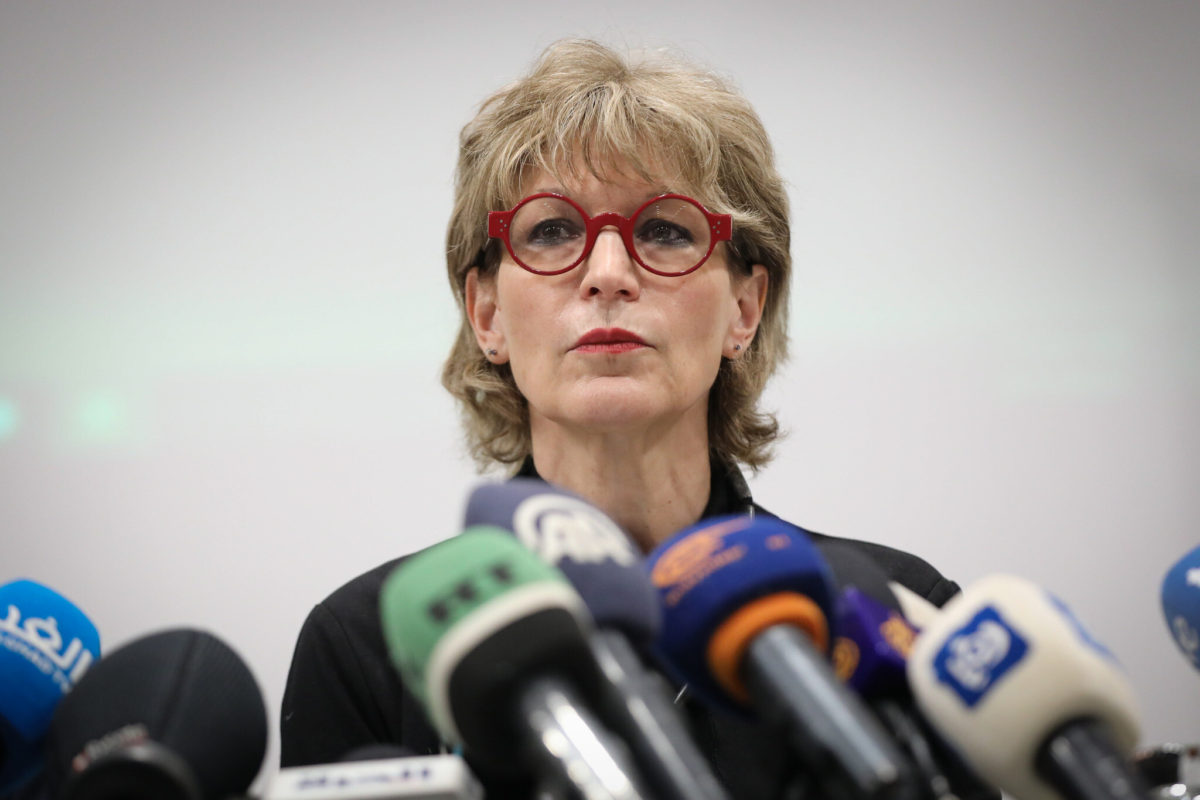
{"x": 443, "y": 777}
{"x": 917, "y": 611}
{"x": 1039, "y": 707}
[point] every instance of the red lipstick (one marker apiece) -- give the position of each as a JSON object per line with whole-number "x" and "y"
{"x": 608, "y": 340}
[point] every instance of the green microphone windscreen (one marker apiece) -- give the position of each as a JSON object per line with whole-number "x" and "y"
{"x": 441, "y": 604}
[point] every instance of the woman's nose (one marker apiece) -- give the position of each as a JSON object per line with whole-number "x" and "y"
{"x": 610, "y": 271}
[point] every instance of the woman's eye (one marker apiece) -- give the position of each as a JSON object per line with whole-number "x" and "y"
{"x": 665, "y": 233}
{"x": 552, "y": 232}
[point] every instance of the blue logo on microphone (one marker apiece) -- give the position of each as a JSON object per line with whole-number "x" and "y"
{"x": 979, "y": 654}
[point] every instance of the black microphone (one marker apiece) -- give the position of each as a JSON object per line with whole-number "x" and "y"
{"x": 598, "y": 559}
{"x": 175, "y": 715}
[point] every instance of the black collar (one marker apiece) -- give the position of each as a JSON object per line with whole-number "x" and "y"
{"x": 727, "y": 492}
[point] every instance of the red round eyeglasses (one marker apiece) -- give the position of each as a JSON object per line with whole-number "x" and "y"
{"x": 549, "y": 234}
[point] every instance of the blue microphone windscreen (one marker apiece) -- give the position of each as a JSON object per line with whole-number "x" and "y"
{"x": 1181, "y": 604}
{"x": 46, "y": 645}
{"x": 710, "y": 570}
{"x": 579, "y": 539}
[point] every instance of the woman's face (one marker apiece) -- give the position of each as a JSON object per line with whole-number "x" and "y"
{"x": 609, "y": 344}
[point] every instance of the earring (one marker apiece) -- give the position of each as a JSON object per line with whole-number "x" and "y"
{"x": 737, "y": 347}
{"x": 491, "y": 352}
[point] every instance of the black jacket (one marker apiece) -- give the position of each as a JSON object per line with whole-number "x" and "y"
{"x": 343, "y": 693}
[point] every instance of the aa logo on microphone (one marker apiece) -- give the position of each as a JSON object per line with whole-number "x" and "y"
{"x": 977, "y": 655}
{"x": 558, "y": 527}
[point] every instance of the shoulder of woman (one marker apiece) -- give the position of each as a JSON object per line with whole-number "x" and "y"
{"x": 907, "y": 569}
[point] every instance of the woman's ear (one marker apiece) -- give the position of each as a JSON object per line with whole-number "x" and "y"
{"x": 479, "y": 298}
{"x": 750, "y": 294}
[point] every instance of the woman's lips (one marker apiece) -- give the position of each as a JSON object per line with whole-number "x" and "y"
{"x": 608, "y": 340}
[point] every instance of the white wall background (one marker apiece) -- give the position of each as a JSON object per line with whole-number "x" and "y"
{"x": 223, "y": 310}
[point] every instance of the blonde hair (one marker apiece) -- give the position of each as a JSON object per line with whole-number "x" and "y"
{"x": 585, "y": 107}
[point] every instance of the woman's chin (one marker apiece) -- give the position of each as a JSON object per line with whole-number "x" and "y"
{"x": 619, "y": 406}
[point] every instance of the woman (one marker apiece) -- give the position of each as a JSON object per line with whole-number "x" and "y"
{"x": 619, "y": 249}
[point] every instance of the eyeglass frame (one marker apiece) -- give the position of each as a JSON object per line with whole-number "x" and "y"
{"x": 500, "y": 223}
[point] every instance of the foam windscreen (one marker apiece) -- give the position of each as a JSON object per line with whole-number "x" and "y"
{"x": 468, "y": 622}
{"x": 708, "y": 572}
{"x": 1004, "y": 667}
{"x": 46, "y": 646}
{"x": 181, "y": 697}
{"x": 1181, "y": 605}
{"x": 579, "y": 539}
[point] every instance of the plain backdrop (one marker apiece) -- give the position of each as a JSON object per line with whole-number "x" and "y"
{"x": 223, "y": 306}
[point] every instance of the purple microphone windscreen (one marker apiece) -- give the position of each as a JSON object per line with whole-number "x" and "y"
{"x": 707, "y": 572}
{"x": 181, "y": 691}
{"x": 871, "y": 650}
{"x": 872, "y": 646}
{"x": 567, "y": 532}
{"x": 46, "y": 646}
{"x": 1181, "y": 604}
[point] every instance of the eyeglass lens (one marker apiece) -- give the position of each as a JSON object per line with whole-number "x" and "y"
{"x": 670, "y": 235}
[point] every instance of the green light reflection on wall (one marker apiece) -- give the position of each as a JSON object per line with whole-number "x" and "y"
{"x": 10, "y": 419}
{"x": 99, "y": 418}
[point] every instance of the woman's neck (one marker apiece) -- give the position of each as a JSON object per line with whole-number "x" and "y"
{"x": 652, "y": 484}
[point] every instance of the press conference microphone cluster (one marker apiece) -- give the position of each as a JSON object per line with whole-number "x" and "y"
{"x": 524, "y": 638}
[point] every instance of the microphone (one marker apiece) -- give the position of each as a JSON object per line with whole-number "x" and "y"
{"x": 746, "y": 604}
{"x": 569, "y": 533}
{"x": 1039, "y": 707}
{"x": 870, "y": 654}
{"x": 46, "y": 646}
{"x": 494, "y": 644}
{"x": 378, "y": 774}
{"x": 1172, "y": 769}
{"x": 174, "y": 715}
{"x": 598, "y": 559}
{"x": 1181, "y": 605}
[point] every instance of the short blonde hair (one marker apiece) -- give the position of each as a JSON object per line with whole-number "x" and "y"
{"x": 584, "y": 106}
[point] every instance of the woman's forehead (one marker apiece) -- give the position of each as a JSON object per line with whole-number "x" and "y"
{"x": 610, "y": 192}
{"x": 616, "y": 182}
